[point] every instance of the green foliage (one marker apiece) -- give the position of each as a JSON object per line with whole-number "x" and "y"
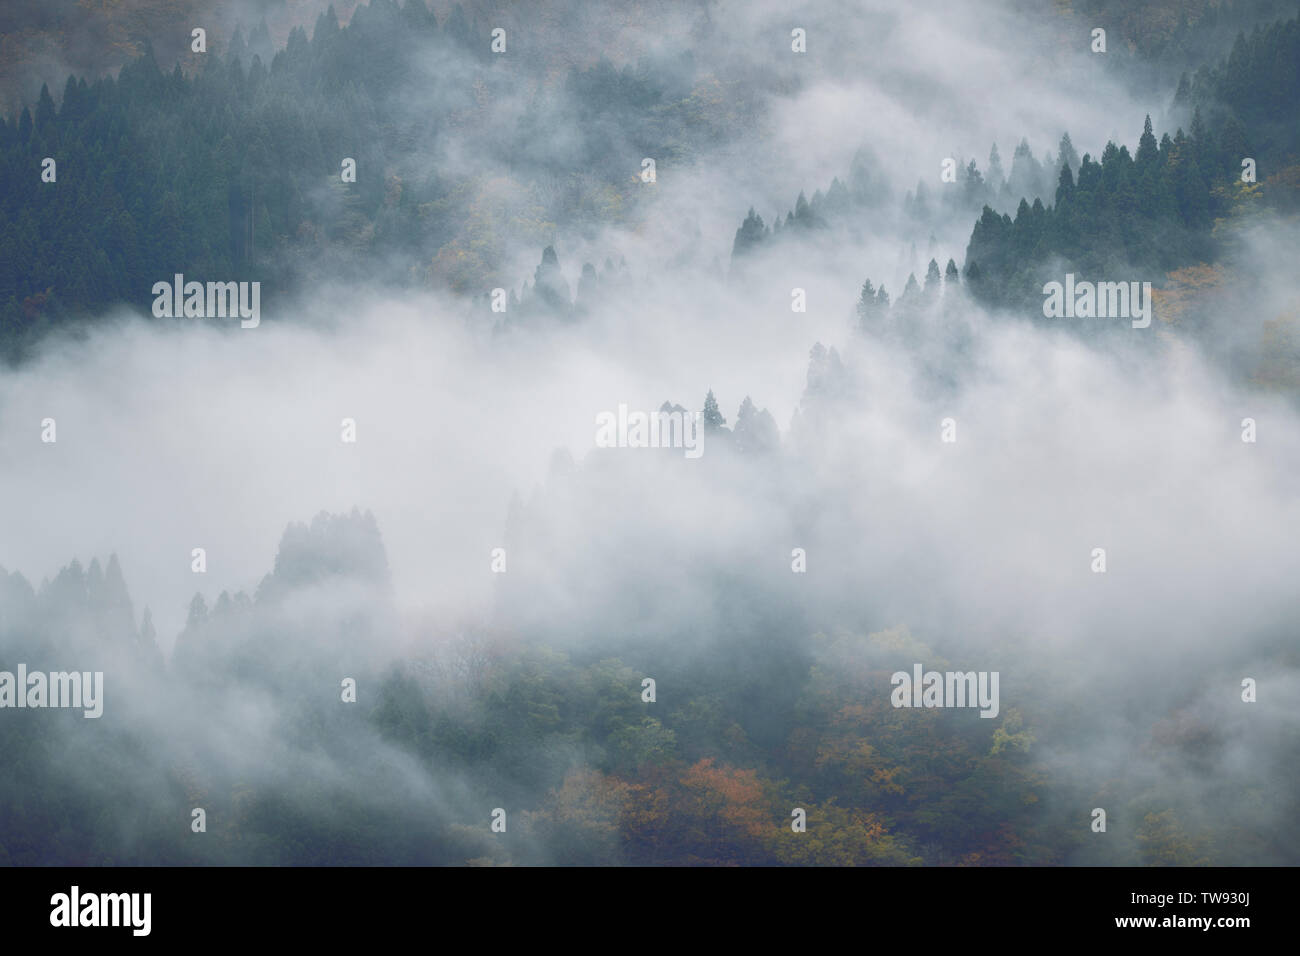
{"x": 233, "y": 170}
{"x": 1155, "y": 211}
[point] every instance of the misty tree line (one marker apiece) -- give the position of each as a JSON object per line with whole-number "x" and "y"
{"x": 763, "y": 713}
{"x": 588, "y": 772}
{"x": 1156, "y": 209}
{"x": 873, "y": 303}
{"x": 766, "y": 712}
{"x": 235, "y": 171}
{"x": 1153, "y": 210}
{"x": 777, "y": 721}
{"x": 547, "y": 295}
{"x": 864, "y": 192}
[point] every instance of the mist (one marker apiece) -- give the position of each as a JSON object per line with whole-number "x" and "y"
{"x": 947, "y": 475}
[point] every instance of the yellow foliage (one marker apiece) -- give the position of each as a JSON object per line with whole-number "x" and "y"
{"x": 1187, "y": 287}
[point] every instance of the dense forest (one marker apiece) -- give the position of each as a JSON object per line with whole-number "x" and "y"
{"x": 1156, "y": 209}
{"x": 237, "y": 166}
{"x": 264, "y": 197}
{"x": 1167, "y": 205}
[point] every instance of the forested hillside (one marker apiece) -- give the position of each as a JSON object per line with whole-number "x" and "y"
{"x": 676, "y": 387}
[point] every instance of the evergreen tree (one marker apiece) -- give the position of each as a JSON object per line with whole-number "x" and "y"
{"x": 803, "y": 214}
{"x": 750, "y": 235}
{"x": 932, "y": 282}
{"x": 45, "y": 113}
{"x": 996, "y": 178}
{"x": 867, "y": 304}
{"x": 911, "y": 292}
{"x": 972, "y": 186}
{"x": 711, "y": 416}
{"x": 549, "y": 285}
{"x": 1066, "y": 154}
{"x": 1148, "y": 152}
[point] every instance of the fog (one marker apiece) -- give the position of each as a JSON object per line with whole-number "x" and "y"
{"x": 175, "y": 434}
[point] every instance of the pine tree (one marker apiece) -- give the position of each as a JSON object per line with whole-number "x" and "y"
{"x": 198, "y": 614}
{"x": 866, "y": 307}
{"x": 996, "y": 177}
{"x": 803, "y": 214}
{"x": 549, "y": 284}
{"x": 1066, "y": 154}
{"x": 237, "y": 49}
{"x": 1148, "y": 152}
{"x": 711, "y": 416}
{"x": 932, "y": 282}
{"x": 911, "y": 291}
{"x": 45, "y": 113}
{"x": 972, "y": 186}
{"x": 750, "y": 235}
